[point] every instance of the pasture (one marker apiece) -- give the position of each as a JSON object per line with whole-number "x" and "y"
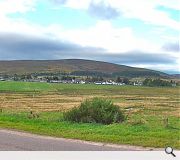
{"x": 147, "y": 110}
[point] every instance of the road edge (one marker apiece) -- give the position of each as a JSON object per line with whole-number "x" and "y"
{"x": 122, "y": 146}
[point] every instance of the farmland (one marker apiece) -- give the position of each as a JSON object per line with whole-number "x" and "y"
{"x": 147, "y": 110}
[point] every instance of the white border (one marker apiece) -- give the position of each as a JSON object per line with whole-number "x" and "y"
{"x": 84, "y": 155}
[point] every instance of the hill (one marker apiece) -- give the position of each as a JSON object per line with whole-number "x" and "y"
{"x": 75, "y": 67}
{"x": 176, "y": 76}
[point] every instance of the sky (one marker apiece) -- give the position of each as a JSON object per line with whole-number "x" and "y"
{"x": 139, "y": 33}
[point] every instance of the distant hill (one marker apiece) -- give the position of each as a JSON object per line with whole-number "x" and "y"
{"x": 75, "y": 67}
{"x": 176, "y": 75}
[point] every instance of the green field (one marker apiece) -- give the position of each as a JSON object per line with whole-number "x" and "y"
{"x": 146, "y": 109}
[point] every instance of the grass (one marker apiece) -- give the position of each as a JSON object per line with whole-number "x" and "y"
{"x": 151, "y": 134}
{"x": 83, "y": 89}
{"x": 146, "y": 108}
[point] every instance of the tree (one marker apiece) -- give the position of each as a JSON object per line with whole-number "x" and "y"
{"x": 55, "y": 78}
{"x": 126, "y": 80}
{"x": 101, "y": 78}
{"x": 15, "y": 77}
{"x": 156, "y": 82}
{"x": 119, "y": 80}
{"x": 28, "y": 76}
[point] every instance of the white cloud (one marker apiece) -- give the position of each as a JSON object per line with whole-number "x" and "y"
{"x": 78, "y": 4}
{"x": 173, "y": 4}
{"x": 144, "y": 10}
{"x": 15, "y": 6}
{"x": 9, "y": 6}
{"x": 104, "y": 35}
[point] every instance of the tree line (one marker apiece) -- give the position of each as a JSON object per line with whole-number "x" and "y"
{"x": 157, "y": 82}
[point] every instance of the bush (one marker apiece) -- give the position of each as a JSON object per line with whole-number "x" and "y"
{"x": 97, "y": 110}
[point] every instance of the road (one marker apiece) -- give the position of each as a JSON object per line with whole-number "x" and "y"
{"x": 20, "y": 141}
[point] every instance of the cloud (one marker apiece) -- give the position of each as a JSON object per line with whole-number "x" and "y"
{"x": 173, "y": 4}
{"x": 59, "y": 1}
{"x": 146, "y": 11}
{"x": 76, "y": 4}
{"x": 171, "y": 47}
{"x": 102, "y": 10}
{"x": 104, "y": 35}
{"x": 101, "y": 35}
{"x": 21, "y": 6}
{"x": 21, "y": 47}
{"x": 135, "y": 57}
{"x": 156, "y": 61}
{"x": 143, "y": 10}
{"x": 25, "y": 46}
{"x": 15, "y": 46}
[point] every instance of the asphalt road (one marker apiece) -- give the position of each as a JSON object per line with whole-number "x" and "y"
{"x": 19, "y": 141}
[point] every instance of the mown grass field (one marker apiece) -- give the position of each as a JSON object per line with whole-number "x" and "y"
{"x": 146, "y": 108}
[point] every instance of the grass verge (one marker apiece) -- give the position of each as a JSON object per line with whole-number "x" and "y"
{"x": 150, "y": 134}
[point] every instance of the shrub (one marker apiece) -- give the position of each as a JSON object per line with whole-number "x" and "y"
{"x": 97, "y": 110}
{"x": 33, "y": 115}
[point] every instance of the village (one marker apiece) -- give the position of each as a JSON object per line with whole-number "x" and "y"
{"x": 72, "y": 80}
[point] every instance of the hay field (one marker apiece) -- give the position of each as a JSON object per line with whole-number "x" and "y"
{"x": 61, "y": 97}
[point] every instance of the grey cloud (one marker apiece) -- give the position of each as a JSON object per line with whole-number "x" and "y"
{"x": 100, "y": 9}
{"x": 174, "y": 47}
{"x": 18, "y": 47}
{"x": 15, "y": 46}
{"x": 103, "y": 11}
{"x": 143, "y": 58}
{"x": 135, "y": 57}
